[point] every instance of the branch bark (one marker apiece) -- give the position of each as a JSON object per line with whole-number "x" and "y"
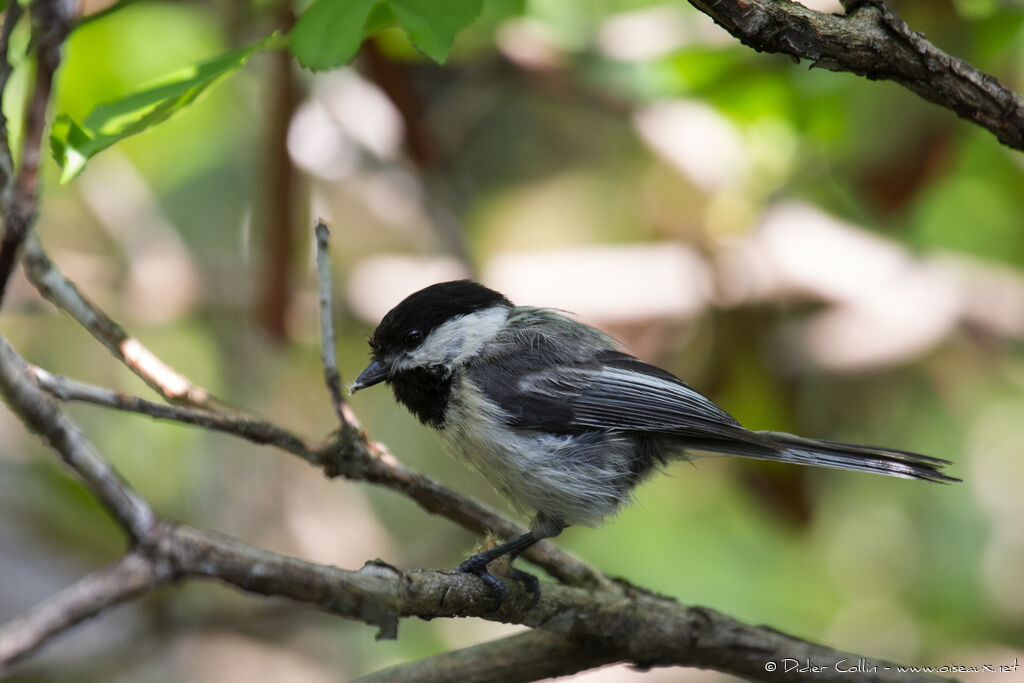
{"x": 579, "y": 628}
{"x": 124, "y": 580}
{"x": 41, "y": 414}
{"x": 872, "y": 41}
{"x": 527, "y": 656}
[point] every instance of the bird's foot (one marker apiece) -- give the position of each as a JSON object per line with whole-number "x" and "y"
{"x": 477, "y": 565}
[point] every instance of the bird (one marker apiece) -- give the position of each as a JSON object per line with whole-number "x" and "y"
{"x": 560, "y": 420}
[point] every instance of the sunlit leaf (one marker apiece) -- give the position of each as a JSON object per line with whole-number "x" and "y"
{"x": 73, "y": 143}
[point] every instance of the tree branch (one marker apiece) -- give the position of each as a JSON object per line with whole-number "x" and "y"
{"x": 528, "y": 656}
{"x": 124, "y": 580}
{"x": 52, "y": 23}
{"x": 327, "y": 357}
{"x": 63, "y": 294}
{"x": 40, "y": 413}
{"x": 872, "y": 41}
{"x": 619, "y": 623}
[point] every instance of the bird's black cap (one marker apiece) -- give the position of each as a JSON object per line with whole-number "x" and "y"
{"x": 430, "y": 307}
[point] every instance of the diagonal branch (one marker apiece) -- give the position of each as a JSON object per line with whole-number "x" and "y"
{"x": 63, "y": 294}
{"x": 41, "y": 414}
{"x": 122, "y": 581}
{"x": 872, "y": 41}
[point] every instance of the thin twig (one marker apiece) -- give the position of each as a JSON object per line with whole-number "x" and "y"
{"x": 42, "y": 415}
{"x": 63, "y": 294}
{"x": 247, "y": 427}
{"x": 124, "y": 580}
{"x": 327, "y": 355}
{"x": 872, "y": 40}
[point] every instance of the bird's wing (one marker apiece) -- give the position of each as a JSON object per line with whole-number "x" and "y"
{"x": 614, "y": 391}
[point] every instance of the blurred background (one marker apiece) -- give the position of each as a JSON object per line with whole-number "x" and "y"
{"x": 816, "y": 252}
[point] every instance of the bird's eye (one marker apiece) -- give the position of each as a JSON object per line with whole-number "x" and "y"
{"x": 412, "y": 339}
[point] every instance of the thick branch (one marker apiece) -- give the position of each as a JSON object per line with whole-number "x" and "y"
{"x": 130, "y": 577}
{"x": 872, "y": 41}
{"x": 619, "y": 623}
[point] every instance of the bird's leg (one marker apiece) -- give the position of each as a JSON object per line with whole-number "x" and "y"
{"x": 477, "y": 565}
{"x": 543, "y": 526}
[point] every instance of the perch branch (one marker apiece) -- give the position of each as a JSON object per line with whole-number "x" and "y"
{"x": 577, "y": 628}
{"x": 872, "y": 41}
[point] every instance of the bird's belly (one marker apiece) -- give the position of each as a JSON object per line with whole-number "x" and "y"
{"x": 572, "y": 479}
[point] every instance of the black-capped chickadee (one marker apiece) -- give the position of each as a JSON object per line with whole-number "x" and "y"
{"x": 559, "y": 421}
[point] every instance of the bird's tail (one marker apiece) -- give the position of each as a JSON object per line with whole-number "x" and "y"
{"x": 846, "y": 456}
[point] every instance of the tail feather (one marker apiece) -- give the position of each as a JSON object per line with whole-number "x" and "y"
{"x": 845, "y": 456}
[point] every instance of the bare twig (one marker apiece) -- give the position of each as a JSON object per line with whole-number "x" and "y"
{"x": 42, "y": 415}
{"x": 327, "y": 356}
{"x": 131, "y": 576}
{"x": 52, "y": 22}
{"x": 247, "y": 427}
{"x": 871, "y": 40}
{"x": 63, "y": 294}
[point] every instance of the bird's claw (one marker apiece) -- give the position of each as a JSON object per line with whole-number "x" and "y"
{"x": 478, "y": 567}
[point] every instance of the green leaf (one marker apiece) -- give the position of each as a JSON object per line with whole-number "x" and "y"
{"x": 432, "y": 25}
{"x": 73, "y": 144}
{"x": 381, "y": 17}
{"x": 329, "y": 33}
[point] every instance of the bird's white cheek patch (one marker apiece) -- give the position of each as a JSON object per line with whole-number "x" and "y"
{"x": 459, "y": 338}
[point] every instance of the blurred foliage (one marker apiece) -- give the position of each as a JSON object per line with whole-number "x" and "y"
{"x": 525, "y": 157}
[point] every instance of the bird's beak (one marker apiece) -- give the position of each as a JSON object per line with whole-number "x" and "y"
{"x": 373, "y": 374}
